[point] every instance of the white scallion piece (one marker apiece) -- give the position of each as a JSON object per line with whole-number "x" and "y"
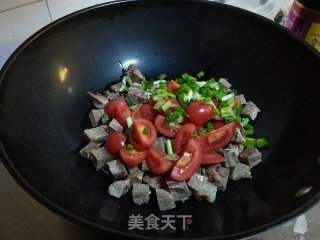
{"x": 227, "y": 97}
{"x": 129, "y": 121}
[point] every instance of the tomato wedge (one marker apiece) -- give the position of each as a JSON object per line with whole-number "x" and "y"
{"x": 189, "y": 162}
{"x": 144, "y": 134}
{"x": 199, "y": 112}
{"x": 119, "y": 110}
{"x": 115, "y": 142}
{"x": 156, "y": 162}
{"x": 132, "y": 157}
{"x": 211, "y": 158}
{"x": 145, "y": 111}
{"x": 167, "y": 130}
{"x": 218, "y": 138}
{"x": 183, "y": 136}
{"x": 218, "y": 124}
{"x": 173, "y": 87}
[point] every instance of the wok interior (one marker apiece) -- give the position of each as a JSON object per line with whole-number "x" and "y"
{"x": 44, "y": 108}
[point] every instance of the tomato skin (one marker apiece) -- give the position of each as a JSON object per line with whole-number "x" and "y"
{"x": 173, "y": 87}
{"x": 183, "y": 136}
{"x": 115, "y": 142}
{"x": 199, "y": 112}
{"x": 166, "y": 130}
{"x": 138, "y": 139}
{"x": 145, "y": 111}
{"x": 218, "y": 138}
{"x": 175, "y": 103}
{"x": 211, "y": 158}
{"x": 119, "y": 110}
{"x": 132, "y": 157}
{"x": 156, "y": 162}
{"x": 218, "y": 124}
{"x": 189, "y": 162}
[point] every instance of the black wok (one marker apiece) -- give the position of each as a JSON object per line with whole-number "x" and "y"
{"x": 43, "y": 110}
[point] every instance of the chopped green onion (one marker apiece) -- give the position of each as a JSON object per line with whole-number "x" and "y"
{"x": 156, "y": 98}
{"x": 133, "y": 107}
{"x": 162, "y": 76}
{"x": 128, "y": 131}
{"x": 249, "y": 126}
{"x": 165, "y": 106}
{"x": 203, "y": 131}
{"x": 172, "y": 157}
{"x": 146, "y": 131}
{"x": 261, "y": 142}
{"x": 158, "y": 104}
{"x": 170, "y": 95}
{"x": 248, "y": 132}
{"x": 187, "y": 97}
{"x": 183, "y": 104}
{"x": 210, "y": 126}
{"x": 201, "y": 84}
{"x": 130, "y": 147}
{"x": 123, "y": 88}
{"x": 244, "y": 122}
{"x": 129, "y": 81}
{"x": 216, "y": 86}
{"x": 129, "y": 121}
{"x": 227, "y": 112}
{"x": 239, "y": 111}
{"x": 250, "y": 142}
{"x": 227, "y": 97}
{"x": 200, "y": 74}
{"x": 169, "y": 146}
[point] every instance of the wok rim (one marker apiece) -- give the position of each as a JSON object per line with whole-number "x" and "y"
{"x": 22, "y": 182}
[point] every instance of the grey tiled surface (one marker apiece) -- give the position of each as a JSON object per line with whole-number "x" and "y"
{"x": 21, "y": 217}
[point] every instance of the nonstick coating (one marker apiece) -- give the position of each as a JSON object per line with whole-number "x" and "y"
{"x": 43, "y": 114}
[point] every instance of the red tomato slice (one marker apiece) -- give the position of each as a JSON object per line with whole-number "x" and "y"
{"x": 132, "y": 157}
{"x": 119, "y": 110}
{"x": 199, "y": 112}
{"x": 217, "y": 139}
{"x": 175, "y": 103}
{"x": 173, "y": 87}
{"x": 218, "y": 124}
{"x": 145, "y": 111}
{"x": 189, "y": 162}
{"x": 166, "y": 129}
{"x": 236, "y": 104}
{"x": 183, "y": 136}
{"x": 156, "y": 162}
{"x": 139, "y": 139}
{"x": 211, "y": 158}
{"x": 115, "y": 142}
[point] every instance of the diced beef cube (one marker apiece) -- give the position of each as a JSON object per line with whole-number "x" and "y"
{"x": 85, "y": 152}
{"x": 240, "y": 171}
{"x": 96, "y": 134}
{"x": 230, "y": 160}
{"x": 116, "y": 87}
{"x": 100, "y": 157}
{"x": 241, "y": 98}
{"x": 112, "y": 95}
{"x": 136, "y": 177}
{"x": 179, "y": 190}
{"x": 119, "y": 188}
{"x": 144, "y": 166}
{"x": 115, "y": 125}
{"x": 250, "y": 156}
{"x": 140, "y": 193}
{"x": 133, "y": 169}
{"x": 117, "y": 169}
{"x": 136, "y": 95}
{"x": 165, "y": 200}
{"x": 154, "y": 181}
{"x": 218, "y": 176}
{"x": 250, "y": 110}
{"x": 224, "y": 82}
{"x": 197, "y": 181}
{"x": 239, "y": 137}
{"x": 160, "y": 144}
{"x": 135, "y": 75}
{"x": 105, "y": 119}
{"x": 208, "y": 192}
{"x": 95, "y": 116}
